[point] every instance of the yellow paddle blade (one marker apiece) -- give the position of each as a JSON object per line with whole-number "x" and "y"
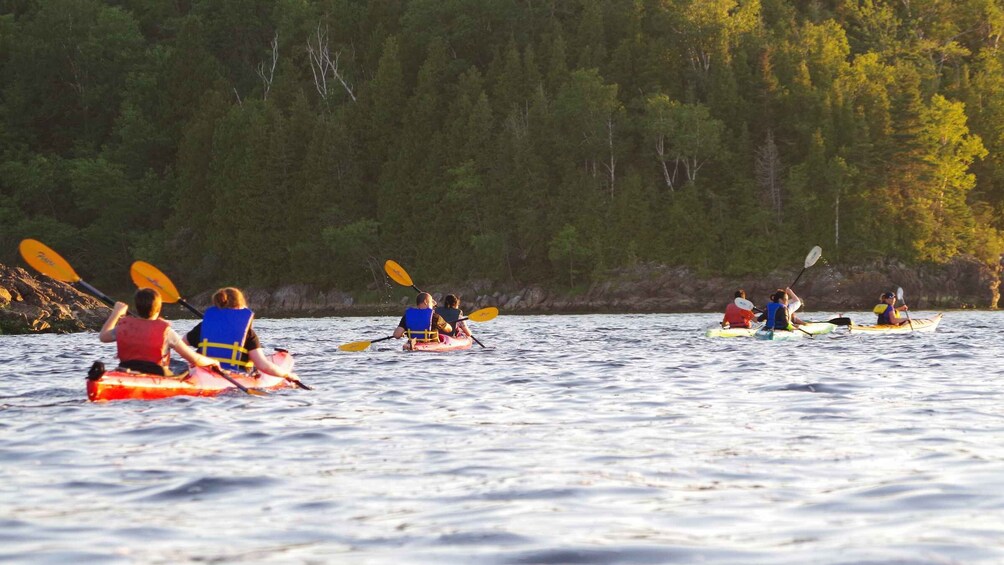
{"x": 146, "y": 275}
{"x": 354, "y": 346}
{"x": 397, "y": 273}
{"x": 484, "y": 314}
{"x": 47, "y": 261}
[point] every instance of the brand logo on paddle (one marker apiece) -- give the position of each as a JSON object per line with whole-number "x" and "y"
{"x": 46, "y": 260}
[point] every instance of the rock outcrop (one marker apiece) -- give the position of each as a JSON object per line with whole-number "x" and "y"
{"x": 36, "y": 305}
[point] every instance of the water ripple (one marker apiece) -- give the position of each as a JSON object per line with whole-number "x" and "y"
{"x": 606, "y": 439}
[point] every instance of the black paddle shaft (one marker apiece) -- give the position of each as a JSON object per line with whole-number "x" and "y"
{"x": 792, "y": 285}
{"x": 191, "y": 308}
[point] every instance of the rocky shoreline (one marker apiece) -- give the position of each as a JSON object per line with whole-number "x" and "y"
{"x": 29, "y": 304}
{"x": 960, "y": 284}
{"x": 43, "y": 305}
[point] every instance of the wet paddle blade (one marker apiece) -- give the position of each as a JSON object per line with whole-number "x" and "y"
{"x": 145, "y": 275}
{"x": 46, "y": 261}
{"x": 354, "y": 346}
{"x": 814, "y": 254}
{"x": 743, "y": 303}
{"x": 484, "y": 314}
{"x": 899, "y": 294}
{"x": 397, "y": 273}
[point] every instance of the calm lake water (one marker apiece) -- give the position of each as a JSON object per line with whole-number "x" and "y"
{"x": 606, "y": 439}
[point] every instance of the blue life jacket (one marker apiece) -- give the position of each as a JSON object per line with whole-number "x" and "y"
{"x": 418, "y": 322}
{"x": 223, "y": 333}
{"x": 777, "y": 317}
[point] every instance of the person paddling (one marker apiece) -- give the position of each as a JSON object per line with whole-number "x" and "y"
{"x": 451, "y": 313}
{"x": 144, "y": 343}
{"x": 779, "y": 315}
{"x": 888, "y": 312}
{"x": 225, "y": 334}
{"x": 736, "y": 317}
{"x": 422, "y": 323}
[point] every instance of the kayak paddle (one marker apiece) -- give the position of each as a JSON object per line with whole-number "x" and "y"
{"x": 361, "y": 345}
{"x": 482, "y": 315}
{"x": 233, "y": 381}
{"x": 810, "y": 260}
{"x": 46, "y": 261}
{"x": 145, "y": 275}
{"x": 397, "y": 273}
{"x": 899, "y": 296}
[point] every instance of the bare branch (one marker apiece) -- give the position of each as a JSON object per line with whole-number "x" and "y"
{"x": 321, "y": 64}
{"x": 268, "y": 75}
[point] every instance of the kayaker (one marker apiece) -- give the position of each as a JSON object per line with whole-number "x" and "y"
{"x": 736, "y": 317}
{"x": 779, "y": 314}
{"x": 451, "y": 313}
{"x": 422, "y": 323}
{"x": 225, "y": 333}
{"x": 144, "y": 342}
{"x": 888, "y": 312}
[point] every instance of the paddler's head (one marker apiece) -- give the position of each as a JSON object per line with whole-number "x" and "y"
{"x": 425, "y": 300}
{"x": 229, "y": 297}
{"x": 740, "y": 293}
{"x": 451, "y": 301}
{"x": 886, "y": 296}
{"x": 779, "y": 296}
{"x": 148, "y": 303}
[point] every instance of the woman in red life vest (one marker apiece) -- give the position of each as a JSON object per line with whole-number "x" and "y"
{"x": 736, "y": 317}
{"x": 144, "y": 343}
{"x": 225, "y": 334}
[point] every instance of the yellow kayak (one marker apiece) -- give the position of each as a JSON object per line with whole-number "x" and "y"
{"x": 813, "y": 328}
{"x": 915, "y": 325}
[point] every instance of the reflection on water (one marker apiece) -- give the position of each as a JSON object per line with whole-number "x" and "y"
{"x": 604, "y": 439}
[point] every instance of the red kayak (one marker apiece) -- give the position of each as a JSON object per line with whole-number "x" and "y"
{"x": 448, "y": 344}
{"x": 121, "y": 384}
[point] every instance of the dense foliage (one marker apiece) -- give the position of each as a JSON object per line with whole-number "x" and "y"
{"x": 259, "y": 142}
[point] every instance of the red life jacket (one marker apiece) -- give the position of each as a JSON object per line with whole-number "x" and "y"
{"x": 143, "y": 340}
{"x": 737, "y": 317}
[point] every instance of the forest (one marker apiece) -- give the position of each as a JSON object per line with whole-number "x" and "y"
{"x": 259, "y": 142}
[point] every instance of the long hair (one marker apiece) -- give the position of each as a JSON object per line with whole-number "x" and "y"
{"x": 229, "y": 297}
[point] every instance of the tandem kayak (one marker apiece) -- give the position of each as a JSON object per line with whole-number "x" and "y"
{"x": 122, "y": 384}
{"x": 448, "y": 344}
{"x": 814, "y": 328}
{"x": 914, "y": 325}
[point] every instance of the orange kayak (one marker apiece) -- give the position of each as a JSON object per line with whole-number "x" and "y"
{"x": 121, "y": 384}
{"x": 448, "y": 344}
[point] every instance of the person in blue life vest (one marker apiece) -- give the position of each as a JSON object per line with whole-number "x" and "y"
{"x": 144, "y": 342}
{"x": 780, "y": 312}
{"x": 451, "y": 313}
{"x": 225, "y": 334}
{"x": 888, "y": 312}
{"x": 421, "y": 323}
